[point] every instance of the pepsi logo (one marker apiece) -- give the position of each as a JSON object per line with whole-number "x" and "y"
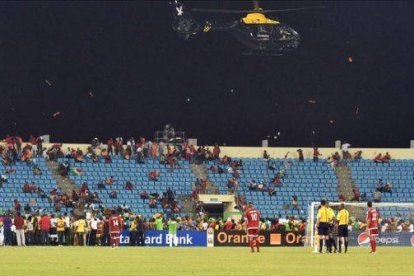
{"x": 412, "y": 240}
{"x": 363, "y": 239}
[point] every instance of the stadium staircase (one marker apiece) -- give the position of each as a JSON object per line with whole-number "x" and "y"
{"x": 201, "y": 172}
{"x": 187, "y": 204}
{"x": 345, "y": 181}
{"x": 345, "y": 185}
{"x": 64, "y": 183}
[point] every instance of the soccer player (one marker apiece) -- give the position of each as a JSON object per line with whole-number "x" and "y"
{"x": 252, "y": 226}
{"x": 115, "y": 226}
{"x": 172, "y": 232}
{"x": 372, "y": 226}
{"x": 324, "y": 216}
{"x": 343, "y": 221}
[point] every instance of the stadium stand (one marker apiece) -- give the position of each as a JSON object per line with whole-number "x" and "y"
{"x": 309, "y": 181}
{"x": 20, "y": 172}
{"x": 399, "y": 173}
{"x": 180, "y": 181}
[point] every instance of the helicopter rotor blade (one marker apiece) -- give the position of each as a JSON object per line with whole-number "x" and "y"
{"x": 257, "y": 11}
{"x": 292, "y": 9}
{"x": 220, "y": 11}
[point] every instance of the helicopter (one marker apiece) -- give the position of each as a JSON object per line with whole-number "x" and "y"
{"x": 260, "y": 34}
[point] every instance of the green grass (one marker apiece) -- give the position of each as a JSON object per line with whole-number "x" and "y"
{"x": 202, "y": 261}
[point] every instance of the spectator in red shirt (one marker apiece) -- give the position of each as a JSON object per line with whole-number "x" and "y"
{"x": 358, "y": 155}
{"x": 129, "y": 186}
{"x": 302, "y": 226}
{"x": 229, "y": 225}
{"x": 357, "y": 195}
{"x": 276, "y": 180}
{"x": 386, "y": 158}
{"x": 216, "y": 152}
{"x": 275, "y": 225}
{"x": 45, "y": 227}
{"x": 300, "y": 152}
{"x": 26, "y": 187}
{"x": 316, "y": 154}
{"x": 19, "y": 224}
{"x": 153, "y": 175}
{"x": 17, "y": 206}
{"x": 378, "y": 158}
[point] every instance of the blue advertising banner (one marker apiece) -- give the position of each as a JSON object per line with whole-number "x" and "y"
{"x": 384, "y": 239}
{"x": 162, "y": 238}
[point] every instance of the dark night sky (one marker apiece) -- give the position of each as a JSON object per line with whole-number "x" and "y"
{"x": 140, "y": 74}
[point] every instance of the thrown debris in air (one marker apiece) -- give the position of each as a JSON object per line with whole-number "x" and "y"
{"x": 48, "y": 82}
{"x": 56, "y": 114}
{"x": 312, "y": 101}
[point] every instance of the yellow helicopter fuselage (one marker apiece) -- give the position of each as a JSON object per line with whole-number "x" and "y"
{"x": 258, "y": 18}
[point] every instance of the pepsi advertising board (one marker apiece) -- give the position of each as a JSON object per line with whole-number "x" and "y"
{"x": 162, "y": 238}
{"x": 384, "y": 239}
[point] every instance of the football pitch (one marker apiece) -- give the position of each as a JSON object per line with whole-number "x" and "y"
{"x": 202, "y": 261}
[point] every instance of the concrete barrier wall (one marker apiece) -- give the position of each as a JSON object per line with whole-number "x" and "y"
{"x": 279, "y": 152}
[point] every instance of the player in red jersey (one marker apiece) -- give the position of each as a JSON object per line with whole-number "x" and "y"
{"x": 372, "y": 226}
{"x": 115, "y": 227}
{"x": 252, "y": 216}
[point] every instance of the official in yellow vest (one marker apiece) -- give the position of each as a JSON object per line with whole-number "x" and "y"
{"x": 80, "y": 231}
{"x": 324, "y": 217}
{"x": 60, "y": 228}
{"x": 343, "y": 221}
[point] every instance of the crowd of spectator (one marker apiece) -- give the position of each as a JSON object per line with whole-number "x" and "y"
{"x": 380, "y": 158}
{"x": 92, "y": 229}
{"x": 140, "y": 150}
{"x": 386, "y": 225}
